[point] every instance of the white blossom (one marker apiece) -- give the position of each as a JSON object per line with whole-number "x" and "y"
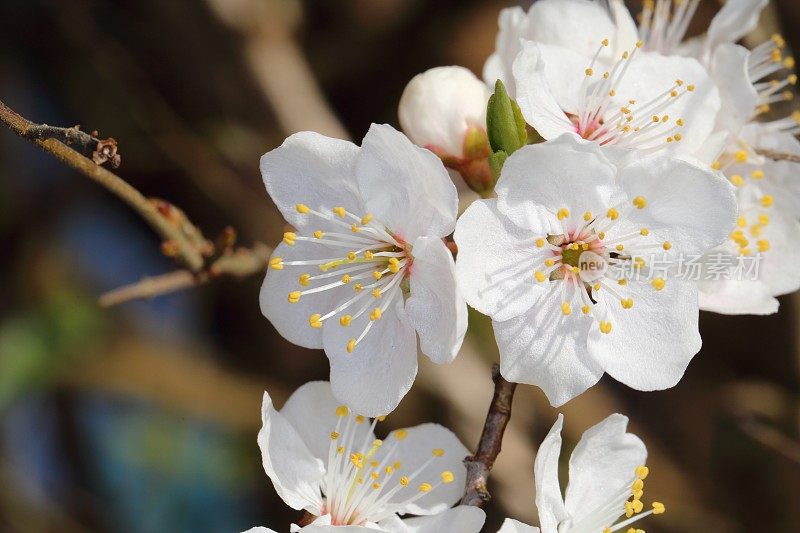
{"x": 365, "y": 271}
{"x": 520, "y": 262}
{"x": 606, "y": 482}
{"x": 326, "y": 460}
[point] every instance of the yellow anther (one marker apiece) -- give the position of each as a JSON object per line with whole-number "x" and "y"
{"x": 380, "y": 418}
{"x": 394, "y": 265}
{"x": 563, "y": 213}
{"x": 788, "y": 62}
{"x": 741, "y": 222}
{"x": 604, "y": 42}
{"x": 539, "y": 243}
{"x": 314, "y": 320}
{"x": 644, "y": 232}
{"x": 679, "y": 122}
{"x": 665, "y": 118}
{"x": 639, "y": 262}
{"x": 346, "y": 279}
{"x": 596, "y": 287}
{"x": 587, "y": 216}
{"x": 354, "y": 228}
{"x": 334, "y": 435}
{"x": 655, "y": 119}
{"x": 642, "y": 472}
{"x": 304, "y": 279}
{"x": 340, "y": 211}
{"x": 425, "y": 487}
{"x": 319, "y": 234}
{"x": 437, "y": 452}
{"x": 716, "y": 165}
{"x": 639, "y": 43}
{"x": 540, "y": 277}
{"x": 612, "y": 92}
{"x": 626, "y": 303}
{"x": 585, "y": 309}
{"x": 360, "y": 419}
{"x": 294, "y": 297}
{"x": 565, "y": 308}
{"x": 622, "y": 281}
{"x": 620, "y": 247}
{"x": 289, "y": 238}
{"x": 690, "y": 88}
{"x": 342, "y": 410}
{"x": 447, "y": 477}
{"x": 404, "y": 481}
{"x": 678, "y": 137}
{"x": 667, "y": 245}
{"x": 613, "y": 214}
{"x": 400, "y": 434}
{"x": 302, "y": 209}
{"x": 763, "y": 219}
{"x": 351, "y": 345}
{"x": 276, "y": 263}
{"x": 549, "y": 262}
{"x": 605, "y": 327}
{"x": 625, "y": 54}
{"x": 679, "y": 83}
{"x": 637, "y": 485}
{"x": 340, "y": 450}
{"x": 757, "y": 174}
{"x": 375, "y": 314}
{"x": 588, "y": 72}
{"x": 366, "y": 219}
{"x": 602, "y": 234}
{"x": 776, "y": 55}
{"x": 376, "y": 485}
{"x": 792, "y": 79}
{"x": 658, "y": 284}
{"x": 389, "y": 469}
{"x": 345, "y": 320}
{"x": 351, "y": 256}
{"x": 377, "y": 275}
{"x": 737, "y": 180}
{"x": 767, "y": 200}
{"x": 740, "y": 156}
{"x": 376, "y": 293}
{"x": 358, "y": 287}
{"x": 606, "y": 75}
{"x": 658, "y": 508}
{"x": 763, "y": 245}
{"x": 673, "y": 93}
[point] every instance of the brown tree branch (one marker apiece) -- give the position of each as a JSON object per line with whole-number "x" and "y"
{"x": 480, "y": 464}
{"x": 239, "y": 264}
{"x": 183, "y": 241}
{"x": 778, "y": 156}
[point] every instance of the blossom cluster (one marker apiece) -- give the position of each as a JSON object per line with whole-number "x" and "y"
{"x": 611, "y": 157}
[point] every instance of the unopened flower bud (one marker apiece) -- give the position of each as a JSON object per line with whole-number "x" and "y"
{"x": 439, "y": 106}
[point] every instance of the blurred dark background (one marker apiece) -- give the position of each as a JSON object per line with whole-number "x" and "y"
{"x": 143, "y": 417}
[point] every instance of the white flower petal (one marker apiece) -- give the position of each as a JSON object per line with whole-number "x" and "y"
{"x": 404, "y": 186}
{"x": 602, "y": 464}
{"x": 737, "y": 94}
{"x": 515, "y": 526}
{"x": 544, "y": 178}
{"x": 327, "y": 528}
{"x": 460, "y": 519}
{"x": 579, "y": 25}
{"x": 780, "y": 265}
{"x": 549, "y": 501}
{"x": 296, "y": 474}
{"x": 416, "y": 449}
{"x": 545, "y": 348}
{"x": 693, "y": 208}
{"x": 651, "y": 344}
{"x": 379, "y": 372}
{"x": 494, "y": 264}
{"x": 440, "y": 104}
{"x": 312, "y": 169}
{"x": 260, "y": 530}
{"x": 291, "y": 319}
{"x": 435, "y": 306}
{"x": 311, "y": 410}
{"x": 734, "y": 297}
{"x": 540, "y": 102}
{"x": 513, "y": 23}
{"x": 734, "y": 20}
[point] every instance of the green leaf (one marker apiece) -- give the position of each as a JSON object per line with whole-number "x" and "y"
{"x": 505, "y": 124}
{"x": 496, "y": 161}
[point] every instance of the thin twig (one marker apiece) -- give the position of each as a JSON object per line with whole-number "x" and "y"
{"x": 778, "y": 156}
{"x": 174, "y": 235}
{"x": 240, "y": 264}
{"x": 480, "y": 464}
